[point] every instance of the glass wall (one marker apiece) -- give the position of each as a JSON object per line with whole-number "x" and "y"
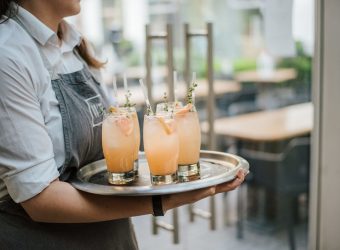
{"x": 263, "y": 53}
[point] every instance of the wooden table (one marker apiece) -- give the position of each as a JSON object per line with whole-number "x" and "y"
{"x": 266, "y": 126}
{"x": 278, "y": 76}
{"x": 263, "y": 128}
{"x": 267, "y": 85}
{"x": 220, "y": 88}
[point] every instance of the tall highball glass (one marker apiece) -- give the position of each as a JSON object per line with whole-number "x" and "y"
{"x": 133, "y": 113}
{"x": 189, "y": 133}
{"x": 118, "y": 140}
{"x": 161, "y": 147}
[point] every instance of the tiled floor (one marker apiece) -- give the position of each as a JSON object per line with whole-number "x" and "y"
{"x": 198, "y": 236}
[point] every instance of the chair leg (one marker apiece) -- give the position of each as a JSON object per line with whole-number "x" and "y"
{"x": 212, "y": 213}
{"x": 240, "y": 212}
{"x": 176, "y": 226}
{"x": 191, "y": 212}
{"x": 173, "y": 228}
{"x": 287, "y": 215}
{"x": 226, "y": 217}
{"x": 154, "y": 225}
{"x": 291, "y": 237}
{"x": 290, "y": 223}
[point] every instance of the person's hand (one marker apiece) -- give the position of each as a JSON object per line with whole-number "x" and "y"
{"x": 179, "y": 199}
{"x": 229, "y": 186}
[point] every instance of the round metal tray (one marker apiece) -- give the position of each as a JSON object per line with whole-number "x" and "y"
{"x": 216, "y": 168}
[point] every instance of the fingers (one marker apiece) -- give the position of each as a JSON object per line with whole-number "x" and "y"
{"x": 229, "y": 186}
{"x": 180, "y": 199}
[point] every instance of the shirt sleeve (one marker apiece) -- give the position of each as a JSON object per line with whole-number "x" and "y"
{"x": 27, "y": 164}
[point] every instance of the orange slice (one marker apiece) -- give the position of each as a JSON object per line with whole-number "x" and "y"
{"x": 134, "y": 115}
{"x": 113, "y": 109}
{"x": 167, "y": 125}
{"x": 184, "y": 110}
{"x": 126, "y": 125}
{"x": 177, "y": 105}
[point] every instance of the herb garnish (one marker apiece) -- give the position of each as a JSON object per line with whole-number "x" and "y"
{"x": 166, "y": 106}
{"x": 149, "y": 110}
{"x": 128, "y": 103}
{"x": 190, "y": 93}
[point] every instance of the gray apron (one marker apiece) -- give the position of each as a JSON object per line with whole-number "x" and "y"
{"x": 81, "y": 101}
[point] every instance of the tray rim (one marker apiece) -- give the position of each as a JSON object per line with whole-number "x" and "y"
{"x": 164, "y": 189}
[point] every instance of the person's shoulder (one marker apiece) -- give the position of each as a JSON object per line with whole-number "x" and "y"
{"x": 15, "y": 62}
{"x": 15, "y": 45}
{"x": 11, "y": 61}
{"x": 7, "y": 29}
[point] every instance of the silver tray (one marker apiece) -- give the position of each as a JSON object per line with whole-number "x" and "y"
{"x": 216, "y": 168}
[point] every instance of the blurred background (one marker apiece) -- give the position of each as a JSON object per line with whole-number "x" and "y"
{"x": 262, "y": 67}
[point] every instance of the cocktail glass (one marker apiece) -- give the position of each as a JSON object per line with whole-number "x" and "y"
{"x": 161, "y": 147}
{"x": 133, "y": 113}
{"x": 189, "y": 132}
{"x": 118, "y": 140}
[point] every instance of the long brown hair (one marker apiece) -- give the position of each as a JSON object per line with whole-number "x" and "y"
{"x": 8, "y": 9}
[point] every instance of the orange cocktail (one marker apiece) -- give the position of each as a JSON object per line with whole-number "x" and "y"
{"x": 161, "y": 147}
{"x": 189, "y": 133}
{"x": 118, "y": 140}
{"x": 133, "y": 113}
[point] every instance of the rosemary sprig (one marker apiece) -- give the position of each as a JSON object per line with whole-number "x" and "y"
{"x": 149, "y": 110}
{"x": 128, "y": 103}
{"x": 166, "y": 106}
{"x": 172, "y": 113}
{"x": 190, "y": 93}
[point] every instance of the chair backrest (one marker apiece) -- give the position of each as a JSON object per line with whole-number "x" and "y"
{"x": 243, "y": 102}
{"x": 287, "y": 171}
{"x": 294, "y": 168}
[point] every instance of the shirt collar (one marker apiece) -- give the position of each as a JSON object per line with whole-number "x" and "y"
{"x": 43, "y": 34}
{"x": 71, "y": 37}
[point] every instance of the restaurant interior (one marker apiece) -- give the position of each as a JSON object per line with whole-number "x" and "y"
{"x": 255, "y": 62}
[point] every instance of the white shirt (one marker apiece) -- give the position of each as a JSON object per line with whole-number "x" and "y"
{"x": 31, "y": 134}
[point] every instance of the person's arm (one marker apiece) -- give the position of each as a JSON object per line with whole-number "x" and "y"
{"x": 62, "y": 203}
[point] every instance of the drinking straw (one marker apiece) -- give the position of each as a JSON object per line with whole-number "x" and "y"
{"x": 193, "y": 77}
{"x": 125, "y": 83}
{"x": 145, "y": 93}
{"x": 193, "y": 82}
{"x": 115, "y": 90}
{"x": 175, "y": 85}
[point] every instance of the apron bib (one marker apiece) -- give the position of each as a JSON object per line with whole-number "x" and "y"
{"x": 82, "y": 103}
